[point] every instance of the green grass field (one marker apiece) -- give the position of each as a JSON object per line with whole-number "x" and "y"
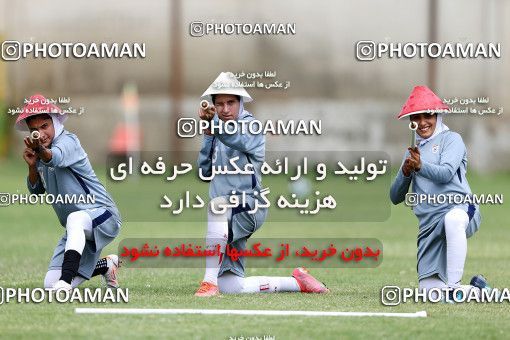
{"x": 29, "y": 235}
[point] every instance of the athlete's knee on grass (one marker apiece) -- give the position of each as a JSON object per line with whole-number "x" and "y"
{"x": 432, "y": 282}
{"x": 229, "y": 283}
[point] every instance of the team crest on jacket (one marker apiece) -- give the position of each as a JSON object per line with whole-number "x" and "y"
{"x": 435, "y": 148}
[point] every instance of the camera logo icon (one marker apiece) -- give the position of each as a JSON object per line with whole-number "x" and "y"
{"x": 365, "y": 50}
{"x": 11, "y": 50}
{"x": 390, "y": 295}
{"x": 187, "y": 127}
{"x": 197, "y": 29}
{"x": 5, "y": 199}
{"x": 411, "y": 199}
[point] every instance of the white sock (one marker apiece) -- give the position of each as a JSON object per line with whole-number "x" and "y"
{"x": 270, "y": 284}
{"x": 53, "y": 275}
{"x": 455, "y": 224}
{"x": 229, "y": 283}
{"x": 77, "y": 223}
{"x": 217, "y": 233}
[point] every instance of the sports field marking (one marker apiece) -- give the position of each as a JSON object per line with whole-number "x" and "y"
{"x": 420, "y": 314}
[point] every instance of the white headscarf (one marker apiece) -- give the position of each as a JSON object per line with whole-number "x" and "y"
{"x": 57, "y": 124}
{"x": 440, "y": 127}
{"x": 241, "y": 106}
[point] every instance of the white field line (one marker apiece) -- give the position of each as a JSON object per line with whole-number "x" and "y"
{"x": 420, "y": 314}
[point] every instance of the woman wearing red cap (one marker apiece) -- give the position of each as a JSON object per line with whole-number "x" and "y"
{"x": 58, "y": 165}
{"x": 436, "y": 168}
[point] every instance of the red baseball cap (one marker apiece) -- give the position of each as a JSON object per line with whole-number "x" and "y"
{"x": 422, "y": 99}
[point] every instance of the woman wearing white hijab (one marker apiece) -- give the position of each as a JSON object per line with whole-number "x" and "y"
{"x": 236, "y": 225}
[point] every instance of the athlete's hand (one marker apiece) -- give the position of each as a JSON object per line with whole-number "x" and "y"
{"x": 407, "y": 167}
{"x": 32, "y": 143}
{"x": 207, "y": 114}
{"x": 415, "y": 158}
{"x": 30, "y": 157}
